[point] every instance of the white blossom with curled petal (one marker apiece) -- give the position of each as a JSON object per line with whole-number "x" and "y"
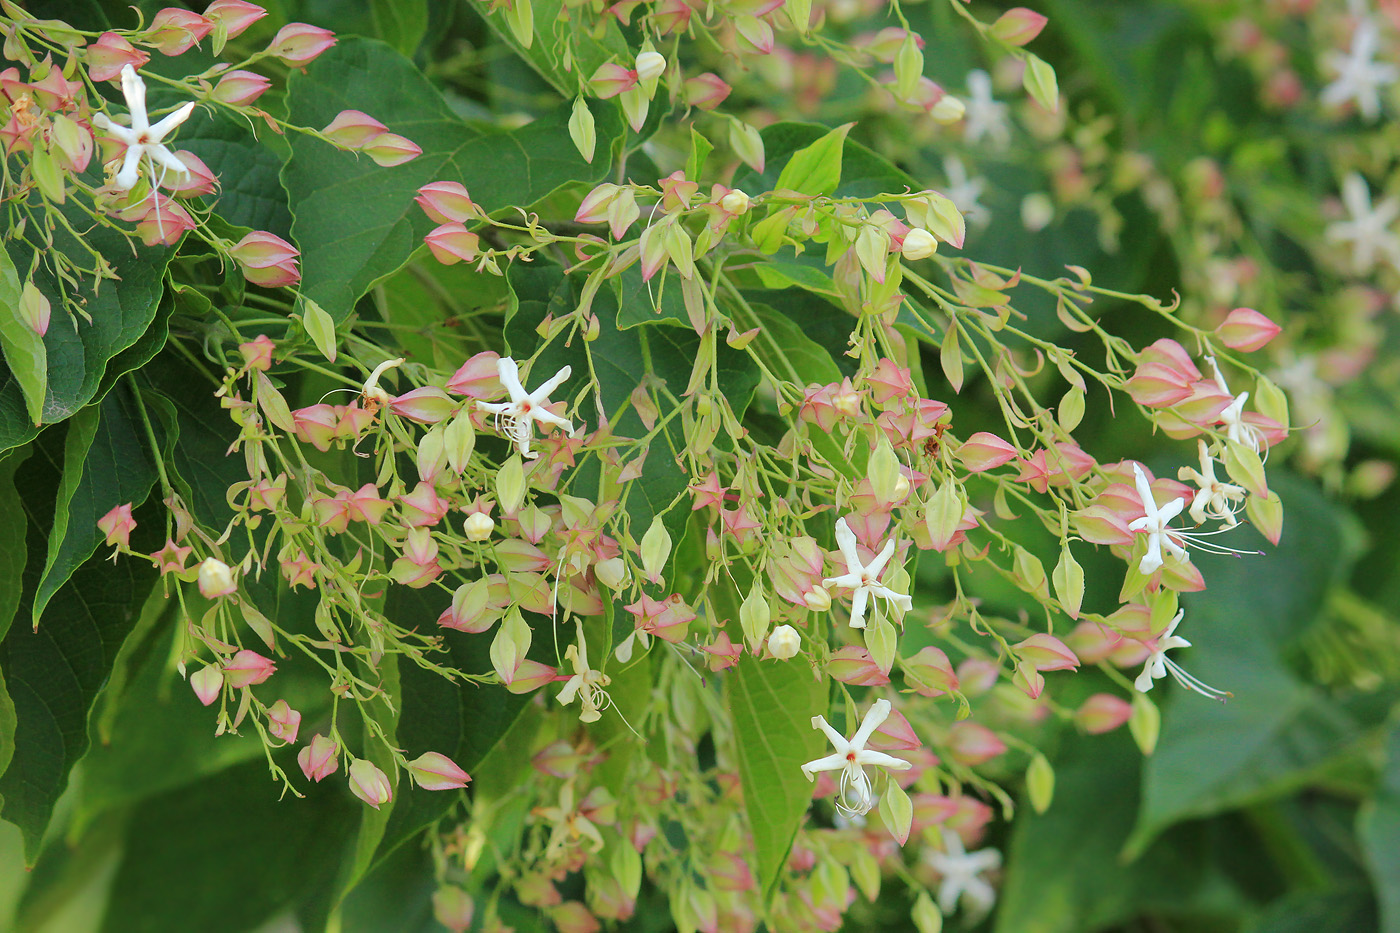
{"x": 1213, "y": 499}
{"x": 1154, "y": 524}
{"x": 1159, "y": 665}
{"x": 962, "y": 875}
{"x": 1236, "y": 428}
{"x": 586, "y": 684}
{"x": 1359, "y": 77}
{"x": 855, "y": 797}
{"x": 140, "y": 137}
{"x": 863, "y": 579}
{"x": 516, "y": 419}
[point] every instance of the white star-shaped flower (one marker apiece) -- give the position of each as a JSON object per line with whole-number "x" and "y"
{"x": 1159, "y": 665}
{"x": 1359, "y": 77}
{"x": 962, "y": 875}
{"x": 586, "y": 684}
{"x": 985, "y": 116}
{"x": 1214, "y": 499}
{"x": 1154, "y": 524}
{"x": 863, "y": 579}
{"x": 855, "y": 796}
{"x": 964, "y": 192}
{"x": 1232, "y": 418}
{"x": 140, "y": 137}
{"x": 516, "y": 419}
{"x": 1367, "y": 229}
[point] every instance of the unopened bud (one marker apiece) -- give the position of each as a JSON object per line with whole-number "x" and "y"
{"x": 369, "y": 783}
{"x": 784, "y": 642}
{"x": 817, "y": 599}
{"x": 948, "y": 110}
{"x": 611, "y": 572}
{"x": 735, "y": 202}
{"x": 918, "y": 244}
{"x": 650, "y": 66}
{"x": 656, "y": 549}
{"x": 478, "y": 526}
{"x": 754, "y": 616}
{"x": 215, "y": 579}
{"x": 207, "y": 682}
{"x": 510, "y": 485}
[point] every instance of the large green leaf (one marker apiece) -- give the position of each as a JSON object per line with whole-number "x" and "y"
{"x": 184, "y": 400}
{"x": 13, "y": 547}
{"x": 1378, "y": 830}
{"x": 1277, "y": 731}
{"x": 863, "y": 172}
{"x": 107, "y": 462}
{"x": 250, "y": 191}
{"x": 401, "y": 23}
{"x": 121, "y": 310}
{"x": 772, "y": 705}
{"x": 55, "y": 673}
{"x": 356, "y": 222}
{"x": 21, "y": 347}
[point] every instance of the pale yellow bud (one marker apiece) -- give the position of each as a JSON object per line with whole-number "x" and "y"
{"x": 919, "y": 244}
{"x": 817, "y": 599}
{"x": 948, "y": 110}
{"x": 735, "y": 202}
{"x": 784, "y": 642}
{"x": 611, "y": 572}
{"x": 650, "y": 66}
{"x": 478, "y": 526}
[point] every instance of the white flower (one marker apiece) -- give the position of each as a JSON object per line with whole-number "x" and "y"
{"x": 1159, "y": 665}
{"x": 961, "y": 871}
{"x": 1359, "y": 78}
{"x": 784, "y": 642}
{"x": 984, "y": 115}
{"x": 1367, "y": 229}
{"x": 516, "y": 418}
{"x": 1213, "y": 498}
{"x": 1154, "y": 525}
{"x": 855, "y": 796}
{"x": 863, "y": 579}
{"x": 650, "y": 65}
{"x": 586, "y": 684}
{"x": 964, "y": 192}
{"x": 140, "y": 137}
{"x": 1236, "y": 428}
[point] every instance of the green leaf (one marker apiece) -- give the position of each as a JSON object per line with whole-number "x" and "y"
{"x": 401, "y": 23}
{"x": 772, "y": 706}
{"x": 320, "y": 327}
{"x": 816, "y": 169}
{"x": 202, "y": 467}
{"x": 250, "y": 190}
{"x": 14, "y": 549}
{"x": 78, "y": 352}
{"x": 357, "y": 223}
{"x": 700, "y": 149}
{"x": 1277, "y": 733}
{"x": 549, "y": 20}
{"x": 24, "y": 350}
{"x": 1378, "y": 830}
{"x": 107, "y": 462}
{"x": 1040, "y": 83}
{"x": 54, "y": 674}
{"x": 863, "y": 172}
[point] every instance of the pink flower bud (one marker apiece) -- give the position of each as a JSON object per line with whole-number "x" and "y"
{"x": 390, "y": 149}
{"x": 853, "y": 665}
{"x": 706, "y": 91}
{"x": 1046, "y": 653}
{"x": 756, "y": 34}
{"x": 453, "y": 908}
{"x": 1102, "y": 712}
{"x": 1098, "y": 524}
{"x": 315, "y": 425}
{"x": 107, "y": 56}
{"x": 117, "y": 525}
{"x": 596, "y": 204}
{"x": 240, "y": 88}
{"x": 972, "y": 744}
{"x": 216, "y": 579}
{"x": 1018, "y": 26}
{"x": 452, "y": 243}
{"x": 236, "y": 15}
{"x": 427, "y": 405}
{"x": 895, "y": 733}
{"x": 612, "y": 79}
{"x": 298, "y": 44}
{"x": 247, "y": 668}
{"x": 257, "y": 353}
{"x": 1093, "y": 642}
{"x": 983, "y": 451}
{"x": 164, "y": 223}
{"x": 283, "y": 721}
{"x": 267, "y": 259}
{"x": 447, "y": 202}
{"x": 930, "y": 673}
{"x": 478, "y": 377}
{"x": 977, "y": 675}
{"x": 422, "y": 507}
{"x": 1028, "y": 680}
{"x": 434, "y": 771}
{"x": 352, "y": 129}
{"x": 1157, "y": 385}
{"x": 369, "y": 783}
{"x": 207, "y": 683}
{"x": 1172, "y": 355}
{"x": 198, "y": 179}
{"x": 530, "y": 675}
{"x": 174, "y": 31}
{"x": 573, "y": 917}
{"x": 1246, "y": 330}
{"x": 670, "y": 16}
{"x": 320, "y": 759}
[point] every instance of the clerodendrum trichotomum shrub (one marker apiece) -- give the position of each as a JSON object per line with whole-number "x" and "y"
{"x": 699, "y": 483}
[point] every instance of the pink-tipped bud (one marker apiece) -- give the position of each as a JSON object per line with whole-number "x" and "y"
{"x": 453, "y": 908}
{"x": 706, "y": 91}
{"x": 478, "y": 377}
{"x": 216, "y": 579}
{"x": 756, "y": 35}
{"x": 447, "y": 202}
{"x": 1099, "y": 524}
{"x": 972, "y": 744}
{"x": 316, "y": 425}
{"x": 267, "y": 259}
{"x": 197, "y": 180}
{"x": 853, "y": 665}
{"x": 452, "y": 243}
{"x": 1047, "y": 653}
{"x": 390, "y": 149}
{"x": 35, "y": 309}
{"x": 240, "y": 88}
{"x": 117, "y": 525}
{"x": 109, "y": 54}
{"x": 896, "y": 733}
{"x": 247, "y": 668}
{"x": 320, "y": 759}
{"x": 427, "y": 405}
{"x": 930, "y": 673}
{"x": 298, "y": 44}
{"x": 257, "y": 353}
{"x": 174, "y": 31}
{"x": 423, "y": 507}
{"x": 670, "y": 16}
{"x": 207, "y": 683}
{"x": 283, "y": 721}
{"x": 1102, "y": 712}
{"x": 235, "y": 15}
{"x": 612, "y": 79}
{"x": 596, "y": 204}
{"x": 530, "y": 676}
{"x": 1157, "y": 385}
{"x": 369, "y": 783}
{"x": 1246, "y": 330}
{"x": 983, "y": 451}
{"x": 164, "y": 223}
{"x": 1018, "y": 26}
{"x": 434, "y": 771}
{"x": 353, "y": 129}
{"x": 1172, "y": 355}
